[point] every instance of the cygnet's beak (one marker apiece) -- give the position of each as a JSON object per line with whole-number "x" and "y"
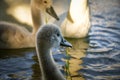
{"x": 52, "y": 12}
{"x": 65, "y": 43}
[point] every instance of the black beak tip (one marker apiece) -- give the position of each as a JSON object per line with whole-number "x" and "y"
{"x": 65, "y": 43}
{"x": 57, "y": 19}
{"x": 52, "y": 12}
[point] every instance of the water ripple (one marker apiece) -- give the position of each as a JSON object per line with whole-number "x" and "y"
{"x": 102, "y": 61}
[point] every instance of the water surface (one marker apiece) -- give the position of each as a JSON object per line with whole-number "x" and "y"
{"x": 102, "y": 61}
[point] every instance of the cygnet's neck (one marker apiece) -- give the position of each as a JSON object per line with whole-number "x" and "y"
{"x": 78, "y": 9}
{"x": 48, "y": 67}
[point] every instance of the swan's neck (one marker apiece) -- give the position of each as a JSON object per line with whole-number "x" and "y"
{"x": 77, "y": 9}
{"x": 47, "y": 64}
{"x": 37, "y": 18}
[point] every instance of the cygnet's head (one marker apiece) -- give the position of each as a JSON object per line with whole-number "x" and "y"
{"x": 50, "y": 35}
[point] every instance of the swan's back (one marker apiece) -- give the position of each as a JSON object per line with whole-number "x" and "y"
{"x": 12, "y": 28}
{"x": 12, "y": 35}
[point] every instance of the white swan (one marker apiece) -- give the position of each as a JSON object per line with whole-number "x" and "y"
{"x": 13, "y": 36}
{"x": 77, "y": 23}
{"x": 49, "y": 36}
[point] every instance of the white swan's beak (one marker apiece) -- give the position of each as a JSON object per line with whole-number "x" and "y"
{"x": 52, "y": 12}
{"x": 65, "y": 43}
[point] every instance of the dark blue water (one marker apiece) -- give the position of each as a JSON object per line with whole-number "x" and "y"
{"x": 22, "y": 64}
{"x": 16, "y": 64}
{"x": 102, "y": 61}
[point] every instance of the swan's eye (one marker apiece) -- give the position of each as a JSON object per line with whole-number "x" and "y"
{"x": 45, "y": 2}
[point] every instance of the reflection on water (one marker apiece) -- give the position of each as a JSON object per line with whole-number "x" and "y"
{"x": 22, "y": 64}
{"x": 102, "y": 61}
{"x": 16, "y": 64}
{"x": 76, "y": 52}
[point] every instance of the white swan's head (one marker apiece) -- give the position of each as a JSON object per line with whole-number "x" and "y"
{"x": 50, "y": 36}
{"x": 46, "y": 6}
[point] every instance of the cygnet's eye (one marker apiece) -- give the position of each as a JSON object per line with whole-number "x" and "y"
{"x": 58, "y": 34}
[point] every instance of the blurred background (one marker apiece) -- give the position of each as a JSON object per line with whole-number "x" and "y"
{"x": 19, "y": 11}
